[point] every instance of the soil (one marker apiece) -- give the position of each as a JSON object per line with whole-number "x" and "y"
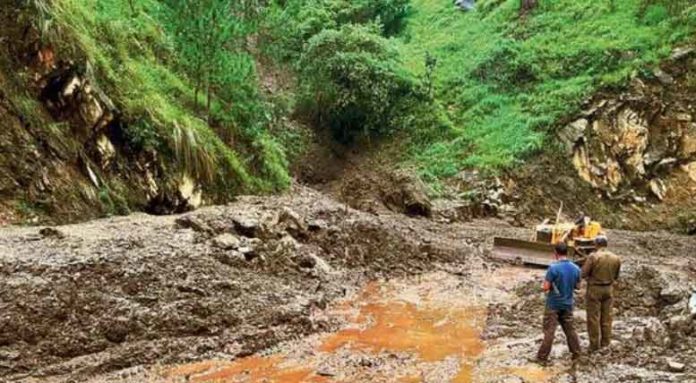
{"x": 301, "y": 288}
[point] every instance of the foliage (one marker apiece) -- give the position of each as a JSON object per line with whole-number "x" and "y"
{"x": 507, "y": 82}
{"x": 351, "y": 82}
{"x": 154, "y": 60}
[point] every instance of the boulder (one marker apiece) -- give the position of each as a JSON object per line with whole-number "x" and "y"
{"x": 673, "y": 292}
{"x": 293, "y": 223}
{"x": 194, "y": 223}
{"x": 465, "y": 5}
{"x": 681, "y": 52}
{"x": 246, "y": 226}
{"x": 663, "y": 77}
{"x": 105, "y": 151}
{"x": 572, "y": 133}
{"x": 675, "y": 366}
{"x": 658, "y": 188}
{"x": 50, "y": 232}
{"x": 190, "y": 192}
{"x": 226, "y": 241}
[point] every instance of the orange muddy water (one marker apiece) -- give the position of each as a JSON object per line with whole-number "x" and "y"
{"x": 420, "y": 324}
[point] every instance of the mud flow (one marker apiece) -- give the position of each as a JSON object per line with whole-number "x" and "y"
{"x": 298, "y": 288}
{"x": 426, "y": 329}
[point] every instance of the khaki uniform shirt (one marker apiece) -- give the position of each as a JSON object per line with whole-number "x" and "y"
{"x": 601, "y": 268}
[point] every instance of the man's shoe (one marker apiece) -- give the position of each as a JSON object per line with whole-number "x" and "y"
{"x": 579, "y": 358}
{"x": 540, "y": 362}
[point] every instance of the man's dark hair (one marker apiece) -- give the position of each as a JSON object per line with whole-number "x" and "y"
{"x": 561, "y": 248}
{"x": 601, "y": 241}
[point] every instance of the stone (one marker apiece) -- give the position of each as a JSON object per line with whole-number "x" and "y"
{"x": 690, "y": 170}
{"x": 465, "y": 5}
{"x": 116, "y": 331}
{"x": 293, "y": 223}
{"x": 246, "y": 226}
{"x": 675, "y": 366}
{"x": 663, "y": 77}
{"x": 226, "y": 241}
{"x": 248, "y": 252}
{"x": 194, "y": 223}
{"x": 307, "y": 261}
{"x": 572, "y": 133}
{"x": 679, "y": 323}
{"x": 681, "y": 52}
{"x": 230, "y": 257}
{"x": 105, "y": 150}
{"x": 190, "y": 191}
{"x": 658, "y": 188}
{"x": 673, "y": 293}
{"x": 50, "y": 232}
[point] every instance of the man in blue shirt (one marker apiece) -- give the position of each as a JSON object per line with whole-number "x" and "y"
{"x": 562, "y": 278}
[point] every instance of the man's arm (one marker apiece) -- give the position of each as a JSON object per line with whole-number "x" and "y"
{"x": 618, "y": 270}
{"x": 547, "y": 286}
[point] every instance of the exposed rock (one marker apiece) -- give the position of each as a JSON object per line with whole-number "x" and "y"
{"x": 465, "y": 5}
{"x": 105, "y": 151}
{"x": 673, "y": 292}
{"x": 408, "y": 195}
{"x": 663, "y": 77}
{"x": 190, "y": 192}
{"x": 293, "y": 223}
{"x": 681, "y": 52}
{"x": 573, "y": 132}
{"x": 307, "y": 261}
{"x": 50, "y": 232}
{"x": 191, "y": 222}
{"x": 658, "y": 188}
{"x": 226, "y": 241}
{"x": 246, "y": 226}
{"x": 676, "y": 366}
{"x": 690, "y": 169}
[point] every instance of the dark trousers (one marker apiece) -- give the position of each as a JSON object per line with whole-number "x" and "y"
{"x": 552, "y": 319}
{"x": 600, "y": 300}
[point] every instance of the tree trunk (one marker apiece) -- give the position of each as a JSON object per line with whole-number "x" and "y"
{"x": 526, "y": 6}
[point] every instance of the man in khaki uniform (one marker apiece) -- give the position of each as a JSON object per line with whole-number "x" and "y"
{"x": 601, "y": 270}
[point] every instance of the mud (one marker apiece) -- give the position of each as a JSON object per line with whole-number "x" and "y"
{"x": 302, "y": 288}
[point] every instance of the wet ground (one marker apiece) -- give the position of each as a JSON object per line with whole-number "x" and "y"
{"x": 419, "y": 329}
{"x": 300, "y": 288}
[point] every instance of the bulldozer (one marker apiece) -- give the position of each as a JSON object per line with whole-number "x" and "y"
{"x": 539, "y": 250}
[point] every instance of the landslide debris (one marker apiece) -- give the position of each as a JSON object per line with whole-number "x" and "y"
{"x": 222, "y": 282}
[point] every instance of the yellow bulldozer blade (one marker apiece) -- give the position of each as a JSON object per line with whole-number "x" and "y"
{"x": 522, "y": 252}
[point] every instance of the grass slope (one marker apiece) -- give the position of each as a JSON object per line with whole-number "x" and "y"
{"x": 134, "y": 60}
{"x": 507, "y": 81}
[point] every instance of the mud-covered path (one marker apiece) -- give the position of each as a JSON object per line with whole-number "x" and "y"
{"x": 302, "y": 282}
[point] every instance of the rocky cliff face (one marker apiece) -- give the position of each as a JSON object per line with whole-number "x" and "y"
{"x": 636, "y": 145}
{"x": 64, "y": 154}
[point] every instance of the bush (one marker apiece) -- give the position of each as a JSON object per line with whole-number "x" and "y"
{"x": 351, "y": 83}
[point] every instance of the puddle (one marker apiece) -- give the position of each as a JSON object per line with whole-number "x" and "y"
{"x": 424, "y": 330}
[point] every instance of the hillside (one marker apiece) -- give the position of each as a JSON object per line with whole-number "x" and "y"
{"x": 115, "y": 106}
{"x": 509, "y": 80}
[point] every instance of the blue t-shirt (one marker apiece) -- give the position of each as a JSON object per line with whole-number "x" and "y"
{"x": 565, "y": 275}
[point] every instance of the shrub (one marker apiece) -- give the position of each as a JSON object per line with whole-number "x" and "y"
{"x": 351, "y": 83}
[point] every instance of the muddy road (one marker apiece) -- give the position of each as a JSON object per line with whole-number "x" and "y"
{"x": 300, "y": 288}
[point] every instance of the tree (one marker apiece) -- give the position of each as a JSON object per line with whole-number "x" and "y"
{"x": 526, "y": 6}
{"x": 351, "y": 82}
{"x": 209, "y": 36}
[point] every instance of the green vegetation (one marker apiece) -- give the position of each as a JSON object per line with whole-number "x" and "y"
{"x": 507, "y": 81}
{"x": 482, "y": 89}
{"x": 181, "y": 82}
